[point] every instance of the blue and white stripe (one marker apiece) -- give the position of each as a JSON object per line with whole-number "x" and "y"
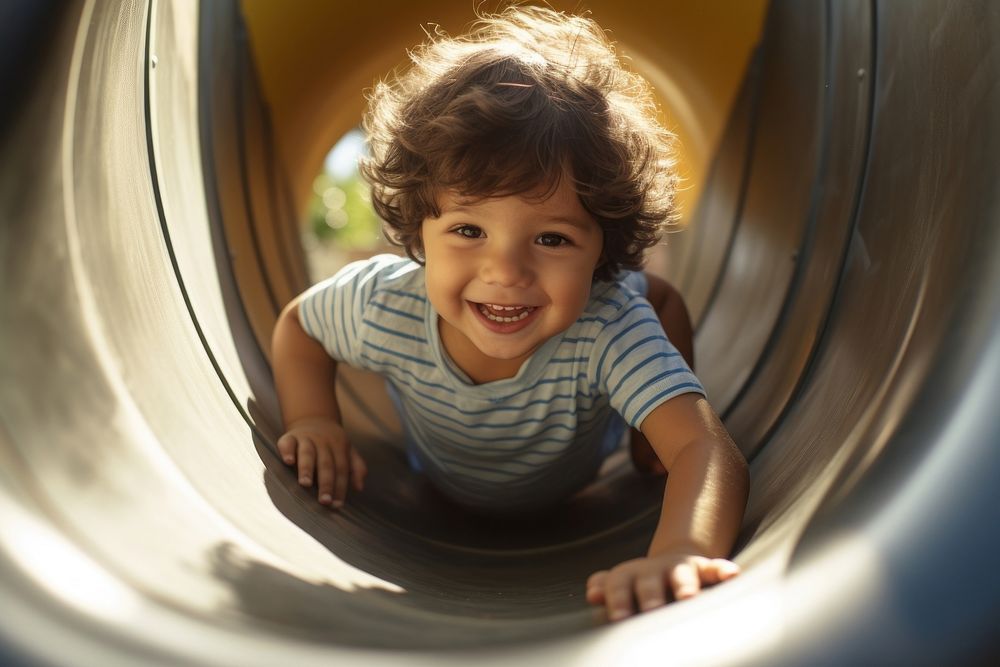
{"x": 512, "y": 444}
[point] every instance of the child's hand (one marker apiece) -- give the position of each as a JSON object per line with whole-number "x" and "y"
{"x": 320, "y": 445}
{"x": 651, "y": 580}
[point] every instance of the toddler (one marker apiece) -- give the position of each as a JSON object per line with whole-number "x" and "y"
{"x": 523, "y": 170}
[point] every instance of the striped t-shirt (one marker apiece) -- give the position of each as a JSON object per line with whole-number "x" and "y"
{"x": 514, "y": 444}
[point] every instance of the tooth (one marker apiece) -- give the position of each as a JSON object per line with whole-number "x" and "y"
{"x": 488, "y": 309}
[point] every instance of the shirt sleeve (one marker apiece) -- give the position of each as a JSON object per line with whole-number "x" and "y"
{"x": 332, "y": 311}
{"x": 635, "y": 364}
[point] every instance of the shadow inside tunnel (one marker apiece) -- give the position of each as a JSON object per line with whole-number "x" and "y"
{"x": 502, "y": 577}
{"x": 369, "y": 617}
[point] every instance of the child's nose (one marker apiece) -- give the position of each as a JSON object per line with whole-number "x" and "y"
{"x": 507, "y": 268}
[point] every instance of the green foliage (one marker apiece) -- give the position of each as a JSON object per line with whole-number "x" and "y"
{"x": 340, "y": 213}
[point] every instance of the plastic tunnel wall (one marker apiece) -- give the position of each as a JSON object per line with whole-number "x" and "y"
{"x": 844, "y": 264}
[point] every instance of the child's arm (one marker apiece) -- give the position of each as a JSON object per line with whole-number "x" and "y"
{"x": 304, "y": 376}
{"x": 706, "y": 494}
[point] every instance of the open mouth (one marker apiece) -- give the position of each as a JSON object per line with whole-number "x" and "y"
{"x": 504, "y": 314}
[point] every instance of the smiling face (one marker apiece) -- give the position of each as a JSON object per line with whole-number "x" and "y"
{"x": 505, "y": 274}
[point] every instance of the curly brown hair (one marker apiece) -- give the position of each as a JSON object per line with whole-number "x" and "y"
{"x": 525, "y": 97}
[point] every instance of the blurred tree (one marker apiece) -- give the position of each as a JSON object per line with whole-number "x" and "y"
{"x": 340, "y": 213}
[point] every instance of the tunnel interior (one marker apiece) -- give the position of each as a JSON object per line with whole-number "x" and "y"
{"x": 840, "y": 262}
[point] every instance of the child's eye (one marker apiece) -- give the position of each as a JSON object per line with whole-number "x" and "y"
{"x": 553, "y": 240}
{"x": 468, "y": 231}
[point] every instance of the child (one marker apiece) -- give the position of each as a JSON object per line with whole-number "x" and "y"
{"x": 523, "y": 170}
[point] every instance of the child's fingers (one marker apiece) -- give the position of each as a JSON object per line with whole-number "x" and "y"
{"x": 595, "y": 587}
{"x": 618, "y": 594}
{"x": 684, "y": 581}
{"x": 324, "y": 475}
{"x": 306, "y": 455}
{"x": 718, "y": 570}
{"x": 287, "y": 445}
{"x": 649, "y": 590}
{"x": 359, "y": 470}
{"x": 649, "y": 583}
{"x": 326, "y": 459}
